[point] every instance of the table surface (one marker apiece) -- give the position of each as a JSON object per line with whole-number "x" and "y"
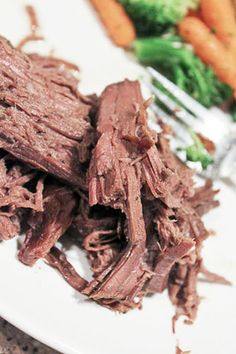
{"x": 14, "y": 341}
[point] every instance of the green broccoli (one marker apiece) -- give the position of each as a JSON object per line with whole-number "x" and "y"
{"x": 152, "y": 17}
{"x": 197, "y": 152}
{"x": 177, "y": 61}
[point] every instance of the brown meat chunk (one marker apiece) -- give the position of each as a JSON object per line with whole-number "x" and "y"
{"x": 183, "y": 286}
{"x": 9, "y": 226}
{"x": 165, "y": 262}
{"x": 44, "y": 121}
{"x": 56, "y": 259}
{"x": 115, "y": 180}
{"x": 203, "y": 199}
{"x": 140, "y": 224}
{"x": 149, "y": 233}
{"x": 48, "y": 226}
{"x": 100, "y": 231}
{"x": 16, "y": 195}
{"x": 132, "y": 169}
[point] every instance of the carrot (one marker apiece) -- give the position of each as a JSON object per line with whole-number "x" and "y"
{"x": 209, "y": 48}
{"x": 220, "y": 17}
{"x": 118, "y": 24}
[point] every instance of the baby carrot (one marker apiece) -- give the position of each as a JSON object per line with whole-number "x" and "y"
{"x": 209, "y": 48}
{"x": 220, "y": 17}
{"x": 118, "y": 24}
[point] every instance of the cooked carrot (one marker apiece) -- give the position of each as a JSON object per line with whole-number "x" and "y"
{"x": 220, "y": 17}
{"x": 118, "y": 24}
{"x": 210, "y": 49}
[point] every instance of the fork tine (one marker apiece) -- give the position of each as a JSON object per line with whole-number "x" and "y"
{"x": 179, "y": 130}
{"x": 160, "y": 113}
{"x": 181, "y": 113}
{"x": 194, "y": 106}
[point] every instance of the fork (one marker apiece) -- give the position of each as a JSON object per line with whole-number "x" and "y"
{"x": 190, "y": 115}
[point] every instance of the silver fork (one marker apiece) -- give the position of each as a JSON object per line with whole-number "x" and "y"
{"x": 214, "y": 124}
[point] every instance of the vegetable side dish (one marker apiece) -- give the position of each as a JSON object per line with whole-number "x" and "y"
{"x": 90, "y": 169}
{"x": 191, "y": 42}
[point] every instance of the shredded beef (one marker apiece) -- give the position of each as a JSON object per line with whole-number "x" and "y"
{"x": 132, "y": 169}
{"x": 182, "y": 287}
{"x": 55, "y": 65}
{"x": 115, "y": 180}
{"x": 165, "y": 262}
{"x": 10, "y": 226}
{"x": 138, "y": 215}
{"x": 48, "y": 225}
{"x": 44, "y": 121}
{"x": 105, "y": 242}
{"x": 57, "y": 259}
{"x": 16, "y": 195}
{"x": 203, "y": 199}
{"x": 211, "y": 277}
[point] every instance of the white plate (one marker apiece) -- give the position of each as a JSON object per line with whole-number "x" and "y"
{"x": 38, "y": 300}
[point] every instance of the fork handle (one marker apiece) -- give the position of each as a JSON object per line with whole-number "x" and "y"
{"x": 228, "y": 168}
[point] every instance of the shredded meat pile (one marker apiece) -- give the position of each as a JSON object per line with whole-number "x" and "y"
{"x": 44, "y": 120}
{"x": 94, "y": 172}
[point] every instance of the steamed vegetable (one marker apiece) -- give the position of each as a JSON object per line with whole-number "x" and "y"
{"x": 220, "y": 17}
{"x": 178, "y": 62}
{"x": 210, "y": 49}
{"x": 118, "y": 24}
{"x": 152, "y": 17}
{"x": 197, "y": 152}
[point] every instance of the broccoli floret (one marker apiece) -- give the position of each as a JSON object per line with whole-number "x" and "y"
{"x": 177, "y": 61}
{"x": 155, "y": 16}
{"x": 197, "y": 152}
